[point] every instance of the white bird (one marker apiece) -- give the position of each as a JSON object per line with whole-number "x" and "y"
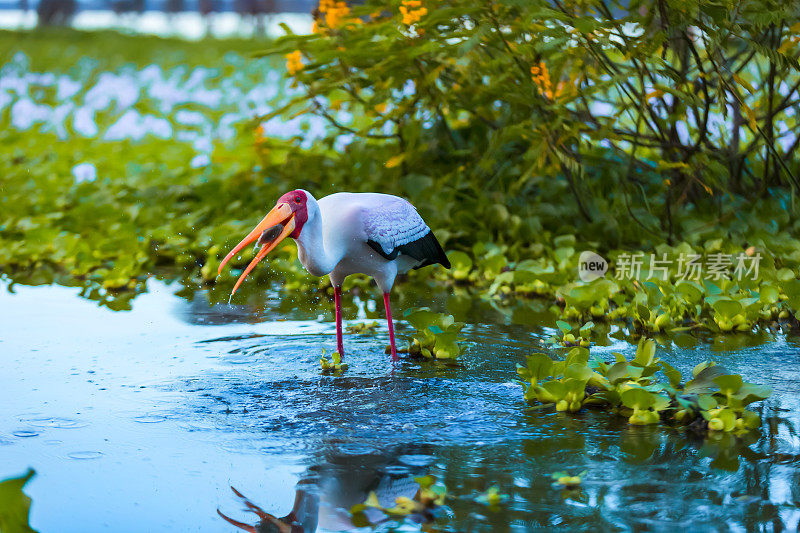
{"x": 379, "y": 235}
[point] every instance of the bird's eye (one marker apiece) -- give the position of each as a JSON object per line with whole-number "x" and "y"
{"x": 297, "y": 199}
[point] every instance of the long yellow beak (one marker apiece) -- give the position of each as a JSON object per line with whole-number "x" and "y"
{"x": 280, "y": 214}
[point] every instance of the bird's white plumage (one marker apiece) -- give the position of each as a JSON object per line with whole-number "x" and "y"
{"x": 394, "y": 223}
{"x": 334, "y": 239}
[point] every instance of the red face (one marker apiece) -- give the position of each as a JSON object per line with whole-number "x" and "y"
{"x": 287, "y": 219}
{"x": 298, "y": 203}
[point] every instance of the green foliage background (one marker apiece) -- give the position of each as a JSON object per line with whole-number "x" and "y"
{"x": 525, "y": 132}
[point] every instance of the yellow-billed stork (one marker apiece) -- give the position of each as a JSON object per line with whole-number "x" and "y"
{"x": 379, "y": 235}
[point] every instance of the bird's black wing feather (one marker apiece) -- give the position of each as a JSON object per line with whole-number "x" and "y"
{"x": 425, "y": 249}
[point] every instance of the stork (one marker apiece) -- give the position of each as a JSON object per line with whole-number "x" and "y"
{"x": 379, "y": 235}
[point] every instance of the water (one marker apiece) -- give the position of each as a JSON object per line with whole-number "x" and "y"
{"x": 144, "y": 420}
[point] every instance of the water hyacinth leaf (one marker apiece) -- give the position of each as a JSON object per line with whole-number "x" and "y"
{"x": 563, "y": 241}
{"x": 579, "y": 372}
{"x": 634, "y": 371}
{"x": 539, "y": 365}
{"x": 563, "y": 326}
{"x": 557, "y": 389}
{"x": 461, "y": 263}
{"x": 690, "y": 291}
{"x": 645, "y": 352}
{"x": 672, "y": 373}
{"x": 702, "y": 366}
{"x": 728, "y": 384}
{"x": 637, "y": 398}
{"x": 703, "y": 382}
{"x": 419, "y": 318}
{"x": 727, "y": 308}
{"x": 661, "y": 402}
{"x": 750, "y": 392}
{"x": 577, "y": 356}
{"x": 575, "y": 386}
{"x": 706, "y": 402}
{"x": 711, "y": 288}
{"x": 617, "y": 372}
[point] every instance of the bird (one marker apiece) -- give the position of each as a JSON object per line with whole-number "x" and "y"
{"x": 346, "y": 233}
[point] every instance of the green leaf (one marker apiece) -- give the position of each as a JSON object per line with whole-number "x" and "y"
{"x": 15, "y": 505}
{"x": 673, "y": 374}
{"x": 637, "y": 398}
{"x": 563, "y": 326}
{"x": 728, "y": 384}
{"x": 703, "y": 382}
{"x": 539, "y": 365}
{"x": 727, "y": 308}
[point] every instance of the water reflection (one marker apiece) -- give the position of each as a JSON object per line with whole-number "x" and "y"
{"x": 340, "y": 476}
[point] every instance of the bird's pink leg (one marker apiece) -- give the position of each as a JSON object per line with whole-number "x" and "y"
{"x": 337, "y": 294}
{"x": 388, "y": 306}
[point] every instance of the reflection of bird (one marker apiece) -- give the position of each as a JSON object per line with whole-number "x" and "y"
{"x": 348, "y": 233}
{"x": 327, "y": 491}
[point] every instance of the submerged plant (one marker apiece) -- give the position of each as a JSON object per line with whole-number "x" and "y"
{"x": 712, "y": 400}
{"x": 362, "y": 328}
{"x": 436, "y": 334}
{"x": 334, "y": 366}
{"x": 492, "y": 497}
{"x": 567, "y": 481}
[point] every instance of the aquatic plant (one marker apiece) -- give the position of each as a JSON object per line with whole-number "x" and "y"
{"x": 563, "y": 480}
{"x": 712, "y": 400}
{"x": 492, "y": 497}
{"x": 362, "y": 328}
{"x": 436, "y": 334}
{"x": 567, "y": 336}
{"x": 333, "y": 366}
{"x": 15, "y": 505}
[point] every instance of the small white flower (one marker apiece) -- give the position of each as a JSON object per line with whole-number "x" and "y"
{"x": 84, "y": 172}
{"x": 200, "y": 160}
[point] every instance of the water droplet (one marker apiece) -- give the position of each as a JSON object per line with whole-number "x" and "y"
{"x": 56, "y": 422}
{"x": 149, "y": 419}
{"x": 85, "y": 455}
{"x": 25, "y": 433}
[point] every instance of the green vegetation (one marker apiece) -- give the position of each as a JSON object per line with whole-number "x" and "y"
{"x": 563, "y": 480}
{"x": 437, "y": 334}
{"x": 15, "y": 505}
{"x": 712, "y": 400}
{"x": 493, "y": 498}
{"x": 333, "y": 366}
{"x": 515, "y": 191}
{"x": 362, "y": 328}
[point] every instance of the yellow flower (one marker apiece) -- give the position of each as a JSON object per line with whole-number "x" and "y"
{"x": 541, "y": 77}
{"x": 333, "y": 12}
{"x": 294, "y": 62}
{"x": 412, "y": 11}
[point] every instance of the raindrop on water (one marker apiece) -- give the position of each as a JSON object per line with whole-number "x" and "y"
{"x": 85, "y": 455}
{"x": 149, "y": 419}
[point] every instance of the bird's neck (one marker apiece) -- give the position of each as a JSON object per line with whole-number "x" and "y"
{"x": 312, "y": 252}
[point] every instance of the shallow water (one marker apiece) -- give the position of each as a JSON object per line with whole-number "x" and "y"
{"x": 143, "y": 420}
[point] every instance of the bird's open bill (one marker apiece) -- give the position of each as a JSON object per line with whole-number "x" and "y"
{"x": 280, "y": 214}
